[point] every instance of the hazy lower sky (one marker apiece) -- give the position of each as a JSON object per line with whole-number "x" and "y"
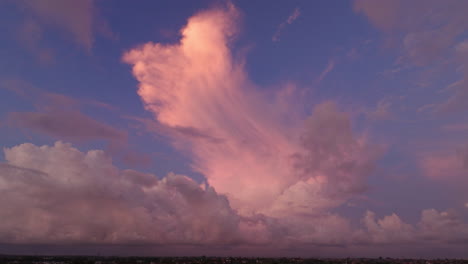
{"x": 269, "y": 128}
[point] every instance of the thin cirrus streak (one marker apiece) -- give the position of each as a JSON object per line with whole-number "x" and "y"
{"x": 295, "y": 14}
{"x": 326, "y": 71}
{"x": 262, "y": 163}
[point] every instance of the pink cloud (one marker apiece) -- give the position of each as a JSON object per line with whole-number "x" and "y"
{"x": 428, "y": 28}
{"x": 60, "y": 117}
{"x": 66, "y": 124}
{"x": 81, "y": 197}
{"x": 383, "y": 15}
{"x": 326, "y": 71}
{"x": 445, "y": 166}
{"x": 457, "y": 101}
{"x": 79, "y": 20}
{"x": 443, "y": 226}
{"x": 236, "y": 137}
{"x": 434, "y": 227}
{"x": 30, "y": 35}
{"x": 389, "y": 229}
{"x": 426, "y": 33}
{"x": 60, "y": 195}
{"x": 291, "y": 18}
{"x": 41, "y": 99}
{"x": 50, "y": 101}
{"x": 75, "y": 18}
{"x": 382, "y": 110}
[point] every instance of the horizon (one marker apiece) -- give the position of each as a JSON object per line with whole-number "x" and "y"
{"x": 234, "y": 128}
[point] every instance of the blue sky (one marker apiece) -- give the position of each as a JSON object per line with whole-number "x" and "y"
{"x": 349, "y": 117}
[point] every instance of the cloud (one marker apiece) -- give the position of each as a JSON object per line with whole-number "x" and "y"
{"x": 428, "y": 34}
{"x": 443, "y": 226}
{"x": 30, "y": 34}
{"x": 19, "y": 87}
{"x": 236, "y": 137}
{"x": 389, "y": 229}
{"x": 311, "y": 164}
{"x": 58, "y": 115}
{"x": 383, "y": 15}
{"x": 382, "y": 111}
{"x": 291, "y": 18}
{"x": 71, "y": 125}
{"x": 61, "y": 117}
{"x": 433, "y": 228}
{"x": 274, "y": 178}
{"x": 326, "y": 71}
{"x": 457, "y": 101}
{"x": 77, "y": 19}
{"x": 445, "y": 165}
{"x": 57, "y": 194}
{"x": 427, "y": 28}
{"x": 353, "y": 54}
{"x": 456, "y": 127}
{"x": 333, "y": 165}
{"x": 60, "y": 195}
{"x": 49, "y": 101}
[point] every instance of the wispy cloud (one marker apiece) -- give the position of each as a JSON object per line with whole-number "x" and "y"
{"x": 456, "y": 127}
{"x": 294, "y": 15}
{"x": 330, "y": 66}
{"x": 71, "y": 125}
{"x": 430, "y": 39}
{"x": 446, "y": 165}
{"x": 382, "y": 111}
{"x": 79, "y": 20}
{"x": 30, "y": 35}
{"x": 62, "y": 117}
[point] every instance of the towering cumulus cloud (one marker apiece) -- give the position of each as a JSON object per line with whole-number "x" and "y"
{"x": 244, "y": 144}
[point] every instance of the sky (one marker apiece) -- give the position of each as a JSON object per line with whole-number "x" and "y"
{"x": 247, "y": 128}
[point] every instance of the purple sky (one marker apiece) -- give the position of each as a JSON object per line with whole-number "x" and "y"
{"x": 256, "y": 128}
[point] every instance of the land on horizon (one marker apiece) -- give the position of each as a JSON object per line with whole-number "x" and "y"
{"x": 29, "y": 259}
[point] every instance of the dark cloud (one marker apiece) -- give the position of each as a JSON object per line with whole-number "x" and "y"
{"x": 71, "y": 125}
